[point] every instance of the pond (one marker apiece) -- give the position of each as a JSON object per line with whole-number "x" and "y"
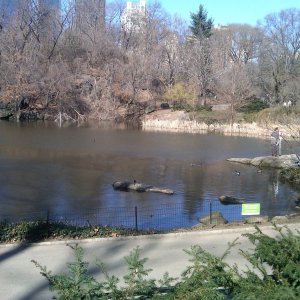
{"x": 64, "y": 171}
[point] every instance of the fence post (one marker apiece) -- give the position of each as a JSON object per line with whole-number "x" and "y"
{"x": 136, "y": 220}
{"x": 210, "y": 213}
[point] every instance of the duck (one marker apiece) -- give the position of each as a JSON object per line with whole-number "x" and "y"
{"x": 237, "y": 173}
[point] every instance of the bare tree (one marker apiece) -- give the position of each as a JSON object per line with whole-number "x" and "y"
{"x": 197, "y": 66}
{"x": 279, "y": 55}
{"x": 235, "y": 51}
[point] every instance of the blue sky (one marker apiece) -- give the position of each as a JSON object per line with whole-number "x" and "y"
{"x": 229, "y": 11}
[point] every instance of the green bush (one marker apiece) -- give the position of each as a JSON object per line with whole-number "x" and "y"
{"x": 253, "y": 106}
{"x": 291, "y": 175}
{"x": 207, "y": 278}
{"x": 182, "y": 106}
{"x": 204, "y": 107}
{"x": 179, "y": 93}
{"x": 76, "y": 283}
{"x": 190, "y": 108}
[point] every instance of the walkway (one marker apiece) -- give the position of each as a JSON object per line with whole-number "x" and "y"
{"x": 20, "y": 280}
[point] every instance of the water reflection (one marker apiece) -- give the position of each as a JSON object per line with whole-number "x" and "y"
{"x": 45, "y": 168}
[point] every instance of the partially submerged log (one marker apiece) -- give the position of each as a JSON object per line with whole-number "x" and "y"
{"x": 230, "y": 200}
{"x": 139, "y": 187}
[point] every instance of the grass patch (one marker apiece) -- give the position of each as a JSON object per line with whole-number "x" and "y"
{"x": 212, "y": 117}
{"x": 275, "y": 115}
{"x": 279, "y": 115}
{"x": 35, "y": 231}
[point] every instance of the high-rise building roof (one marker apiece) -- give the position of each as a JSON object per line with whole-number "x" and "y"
{"x": 133, "y": 16}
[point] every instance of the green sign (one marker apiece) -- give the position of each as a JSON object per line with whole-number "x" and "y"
{"x": 250, "y": 209}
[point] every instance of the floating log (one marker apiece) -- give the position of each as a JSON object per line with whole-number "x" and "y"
{"x": 139, "y": 187}
{"x": 230, "y": 200}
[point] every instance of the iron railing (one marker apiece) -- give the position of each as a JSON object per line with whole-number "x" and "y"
{"x": 164, "y": 217}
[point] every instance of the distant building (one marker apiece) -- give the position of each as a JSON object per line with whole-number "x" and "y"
{"x": 90, "y": 14}
{"x": 133, "y": 18}
{"x": 220, "y": 27}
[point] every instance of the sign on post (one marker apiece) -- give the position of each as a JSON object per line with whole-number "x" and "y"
{"x": 250, "y": 209}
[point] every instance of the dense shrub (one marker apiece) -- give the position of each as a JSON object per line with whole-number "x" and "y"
{"x": 179, "y": 93}
{"x": 76, "y": 283}
{"x": 207, "y": 278}
{"x": 291, "y": 175}
{"x": 203, "y": 107}
{"x": 253, "y": 106}
{"x": 182, "y": 106}
{"x": 190, "y": 108}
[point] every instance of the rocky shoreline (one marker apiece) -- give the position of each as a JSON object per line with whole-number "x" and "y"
{"x": 31, "y": 108}
{"x": 217, "y": 221}
{"x": 279, "y": 162}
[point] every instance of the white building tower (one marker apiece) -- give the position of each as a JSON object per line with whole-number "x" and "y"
{"x": 133, "y": 18}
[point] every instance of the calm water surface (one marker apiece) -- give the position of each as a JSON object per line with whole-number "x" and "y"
{"x": 71, "y": 170}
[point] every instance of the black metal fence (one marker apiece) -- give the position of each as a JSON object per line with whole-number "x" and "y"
{"x": 164, "y": 217}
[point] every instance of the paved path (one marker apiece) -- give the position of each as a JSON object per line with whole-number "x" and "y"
{"x": 19, "y": 279}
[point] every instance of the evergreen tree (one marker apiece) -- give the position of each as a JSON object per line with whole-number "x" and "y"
{"x": 201, "y": 25}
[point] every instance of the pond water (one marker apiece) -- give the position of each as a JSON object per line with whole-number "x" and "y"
{"x": 70, "y": 170}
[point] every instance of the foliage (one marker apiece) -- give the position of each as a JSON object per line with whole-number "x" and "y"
{"x": 291, "y": 175}
{"x": 190, "y": 108}
{"x": 54, "y": 64}
{"x": 209, "y": 117}
{"x": 203, "y": 107}
{"x": 182, "y": 98}
{"x": 255, "y": 105}
{"x": 78, "y": 284}
{"x": 179, "y": 94}
{"x": 201, "y": 25}
{"x": 250, "y": 118}
{"x": 32, "y": 231}
{"x": 282, "y": 254}
{"x": 207, "y": 278}
{"x": 279, "y": 115}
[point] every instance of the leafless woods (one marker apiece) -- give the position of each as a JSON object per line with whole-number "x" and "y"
{"x": 79, "y": 64}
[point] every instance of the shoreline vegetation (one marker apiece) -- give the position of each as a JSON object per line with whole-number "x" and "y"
{"x": 43, "y": 231}
{"x": 261, "y": 126}
{"x": 169, "y": 121}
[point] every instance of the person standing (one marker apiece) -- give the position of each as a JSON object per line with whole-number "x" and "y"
{"x": 276, "y": 142}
